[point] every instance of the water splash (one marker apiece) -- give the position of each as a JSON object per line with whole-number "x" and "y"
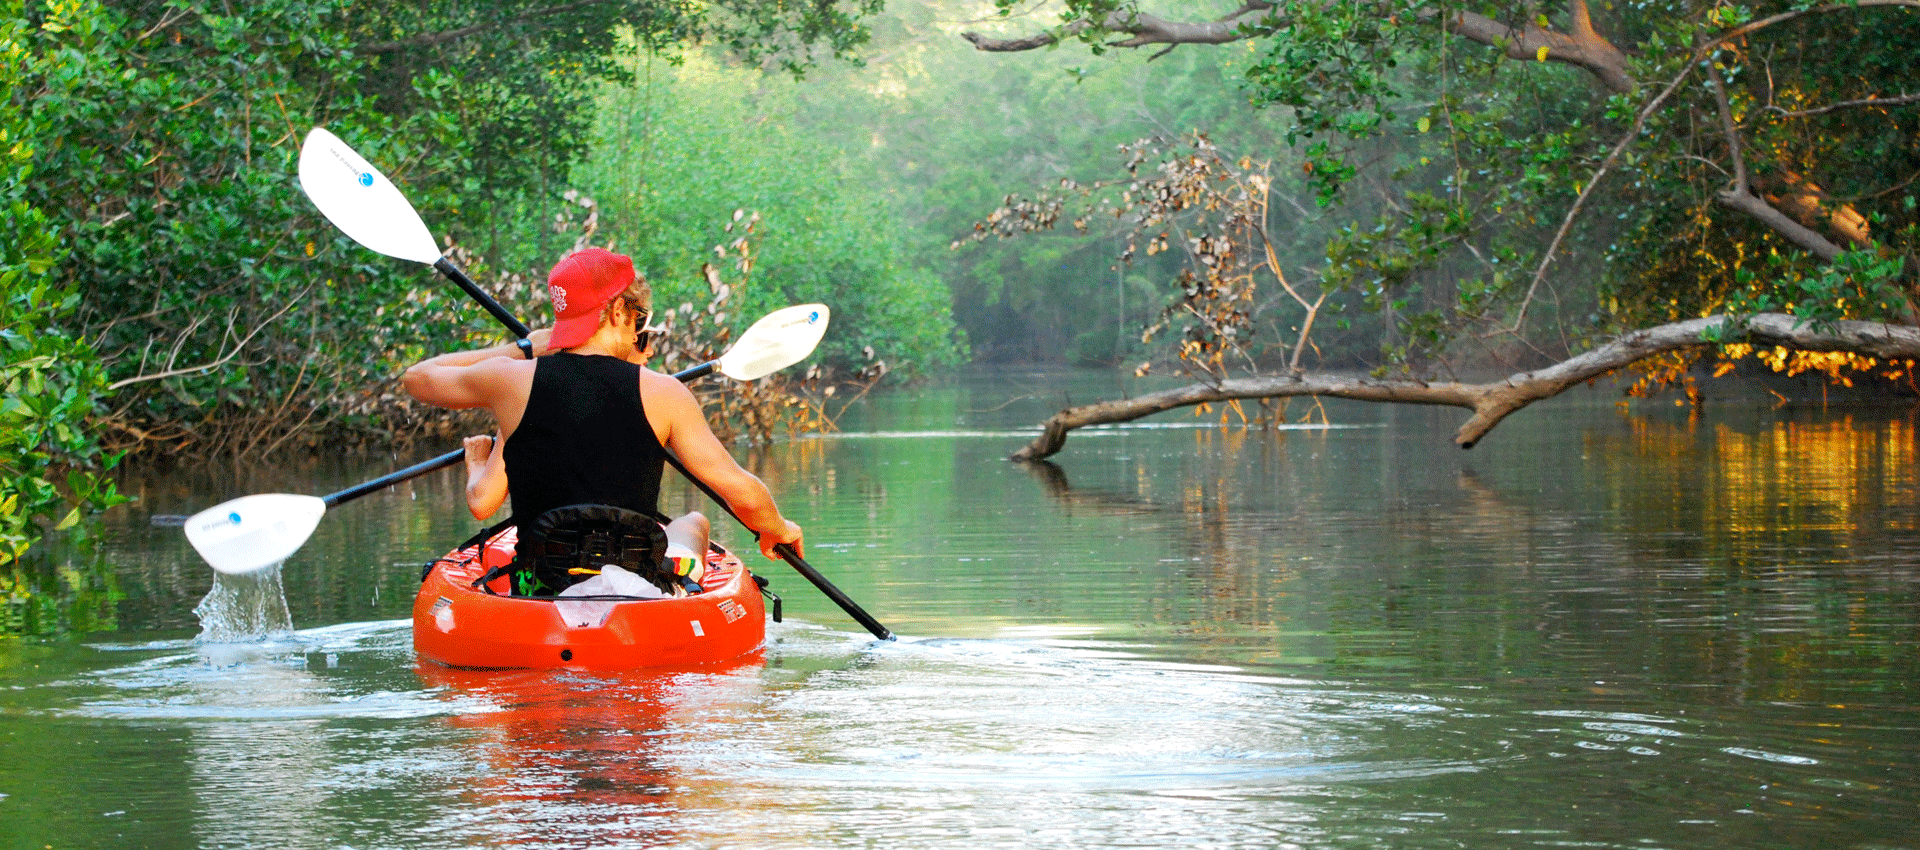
{"x": 244, "y": 608}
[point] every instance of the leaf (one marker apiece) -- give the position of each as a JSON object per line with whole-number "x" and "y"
{"x": 1541, "y": 54}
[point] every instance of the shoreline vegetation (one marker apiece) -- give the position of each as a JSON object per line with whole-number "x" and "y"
{"x": 169, "y": 290}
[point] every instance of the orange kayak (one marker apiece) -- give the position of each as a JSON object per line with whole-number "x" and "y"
{"x": 460, "y": 625}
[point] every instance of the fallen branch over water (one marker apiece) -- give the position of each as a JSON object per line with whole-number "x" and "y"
{"x": 1492, "y": 402}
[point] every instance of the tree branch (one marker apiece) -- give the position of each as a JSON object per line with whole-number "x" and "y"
{"x": 1141, "y": 29}
{"x": 1583, "y": 48}
{"x": 1492, "y": 402}
{"x": 1740, "y": 196}
{"x": 1898, "y": 100}
{"x": 1727, "y": 126}
{"x": 1807, "y": 238}
{"x": 1593, "y": 182}
{"x": 222, "y": 360}
{"x": 1806, "y": 204}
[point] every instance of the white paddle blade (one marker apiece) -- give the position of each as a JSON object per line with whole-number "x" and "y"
{"x": 254, "y": 532}
{"x": 780, "y": 339}
{"x": 361, "y": 201}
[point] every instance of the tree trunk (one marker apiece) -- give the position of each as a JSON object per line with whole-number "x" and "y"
{"x": 1492, "y": 402}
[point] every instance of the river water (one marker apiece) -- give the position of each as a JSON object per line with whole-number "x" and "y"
{"x": 1600, "y": 628}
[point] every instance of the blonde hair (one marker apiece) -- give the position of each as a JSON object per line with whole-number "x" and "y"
{"x": 639, "y": 291}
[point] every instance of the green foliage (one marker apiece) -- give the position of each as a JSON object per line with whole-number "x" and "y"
{"x": 682, "y": 149}
{"x": 49, "y": 379}
{"x": 1334, "y": 65}
{"x": 1503, "y": 198}
{"x": 163, "y": 283}
{"x": 1804, "y": 135}
{"x": 167, "y": 140}
{"x": 165, "y": 134}
{"x": 1857, "y": 284}
{"x": 41, "y": 597}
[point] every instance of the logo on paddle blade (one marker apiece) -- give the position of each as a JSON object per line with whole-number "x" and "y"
{"x": 364, "y": 178}
{"x": 212, "y": 523}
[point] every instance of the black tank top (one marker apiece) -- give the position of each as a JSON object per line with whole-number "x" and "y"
{"x": 583, "y": 439}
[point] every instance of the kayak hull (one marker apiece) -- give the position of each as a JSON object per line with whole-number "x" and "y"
{"x": 459, "y": 625}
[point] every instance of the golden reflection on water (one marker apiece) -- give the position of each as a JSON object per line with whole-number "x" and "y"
{"x": 1833, "y": 475}
{"x": 1763, "y": 558}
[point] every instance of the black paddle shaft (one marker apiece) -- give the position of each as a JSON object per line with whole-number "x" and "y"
{"x": 798, "y": 563}
{"x": 392, "y": 478}
{"x": 474, "y": 291}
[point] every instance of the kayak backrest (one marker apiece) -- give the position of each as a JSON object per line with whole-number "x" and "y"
{"x": 569, "y": 544}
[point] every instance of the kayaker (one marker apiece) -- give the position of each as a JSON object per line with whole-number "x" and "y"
{"x": 687, "y": 534}
{"x": 580, "y": 424}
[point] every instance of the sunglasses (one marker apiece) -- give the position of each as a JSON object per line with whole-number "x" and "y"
{"x": 642, "y": 335}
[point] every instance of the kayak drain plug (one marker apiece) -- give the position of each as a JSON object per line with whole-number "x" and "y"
{"x": 566, "y": 655}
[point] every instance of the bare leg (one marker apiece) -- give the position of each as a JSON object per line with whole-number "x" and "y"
{"x": 691, "y": 531}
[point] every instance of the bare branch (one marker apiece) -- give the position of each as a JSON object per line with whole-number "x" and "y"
{"x": 1898, "y": 100}
{"x": 223, "y": 360}
{"x": 1799, "y": 234}
{"x": 1142, "y": 29}
{"x": 1740, "y": 195}
{"x": 1752, "y": 27}
{"x": 1492, "y": 402}
{"x": 1017, "y": 45}
{"x": 173, "y": 16}
{"x": 1728, "y": 126}
{"x": 1583, "y": 48}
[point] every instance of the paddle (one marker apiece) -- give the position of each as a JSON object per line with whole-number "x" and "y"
{"x": 252, "y": 532}
{"x": 366, "y": 206}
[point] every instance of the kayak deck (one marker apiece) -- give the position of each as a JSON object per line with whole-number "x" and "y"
{"x": 458, "y": 625}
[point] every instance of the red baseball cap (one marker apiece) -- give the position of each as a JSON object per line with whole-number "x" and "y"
{"x": 580, "y": 284}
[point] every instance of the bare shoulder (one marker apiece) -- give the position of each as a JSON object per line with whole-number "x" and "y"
{"x": 662, "y": 394}
{"x": 671, "y": 409}
{"x": 505, "y": 371}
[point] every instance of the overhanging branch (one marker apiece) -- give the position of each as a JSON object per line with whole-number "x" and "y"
{"x": 1583, "y": 47}
{"x": 1492, "y": 402}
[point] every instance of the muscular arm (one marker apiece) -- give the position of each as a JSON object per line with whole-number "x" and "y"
{"x": 681, "y": 426}
{"x": 486, "y": 475}
{"x": 495, "y": 378}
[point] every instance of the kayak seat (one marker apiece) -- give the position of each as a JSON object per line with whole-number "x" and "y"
{"x": 568, "y": 545}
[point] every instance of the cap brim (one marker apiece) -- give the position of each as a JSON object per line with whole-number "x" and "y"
{"x": 568, "y": 333}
